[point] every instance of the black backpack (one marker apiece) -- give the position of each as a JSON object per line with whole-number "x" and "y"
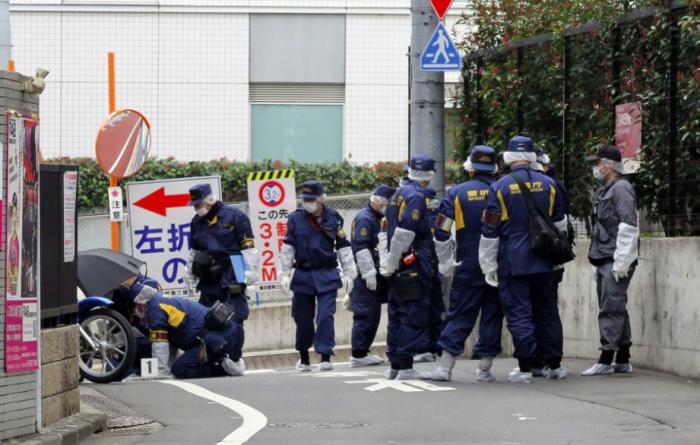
{"x": 546, "y": 241}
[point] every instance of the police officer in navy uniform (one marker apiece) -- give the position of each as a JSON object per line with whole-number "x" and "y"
{"x": 507, "y": 260}
{"x": 217, "y": 232}
{"x": 314, "y": 245}
{"x": 548, "y": 326}
{"x": 407, "y": 255}
{"x": 437, "y": 302}
{"x": 180, "y": 323}
{"x": 462, "y": 208}
{"x": 370, "y": 289}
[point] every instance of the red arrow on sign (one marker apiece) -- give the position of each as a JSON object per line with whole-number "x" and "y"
{"x": 158, "y": 202}
{"x": 441, "y": 7}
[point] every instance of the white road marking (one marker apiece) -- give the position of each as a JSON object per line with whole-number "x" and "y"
{"x": 379, "y": 384}
{"x": 253, "y": 420}
{"x": 400, "y": 385}
{"x": 329, "y": 374}
{"x": 429, "y": 386}
{"x": 261, "y": 371}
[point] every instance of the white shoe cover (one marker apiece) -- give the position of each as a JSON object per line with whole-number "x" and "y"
{"x": 425, "y": 357}
{"x": 301, "y": 367}
{"x": 557, "y": 374}
{"x": 411, "y": 374}
{"x": 520, "y": 377}
{"x": 370, "y": 360}
{"x": 598, "y": 369}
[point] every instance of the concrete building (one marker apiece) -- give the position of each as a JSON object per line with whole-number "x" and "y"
{"x": 311, "y": 80}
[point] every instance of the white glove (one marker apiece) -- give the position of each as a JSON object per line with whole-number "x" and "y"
{"x": 400, "y": 244}
{"x": 620, "y": 274}
{"x": 347, "y": 303}
{"x": 446, "y": 260}
{"x": 251, "y": 257}
{"x": 190, "y": 280}
{"x": 488, "y": 259}
{"x": 347, "y": 284}
{"x": 626, "y": 249}
{"x": 347, "y": 262}
{"x": 365, "y": 264}
{"x": 389, "y": 266}
{"x": 286, "y": 283}
{"x": 371, "y": 282}
{"x": 250, "y": 292}
{"x": 492, "y": 278}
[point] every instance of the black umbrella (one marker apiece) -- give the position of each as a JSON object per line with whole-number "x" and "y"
{"x": 102, "y": 270}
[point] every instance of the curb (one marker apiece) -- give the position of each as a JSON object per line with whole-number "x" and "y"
{"x": 69, "y": 431}
{"x": 287, "y": 358}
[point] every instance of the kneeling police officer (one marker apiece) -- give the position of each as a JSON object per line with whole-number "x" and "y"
{"x": 208, "y": 337}
{"x": 218, "y": 233}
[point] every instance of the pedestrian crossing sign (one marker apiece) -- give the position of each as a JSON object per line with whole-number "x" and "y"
{"x": 440, "y": 54}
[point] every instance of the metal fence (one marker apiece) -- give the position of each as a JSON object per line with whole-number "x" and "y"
{"x": 567, "y": 103}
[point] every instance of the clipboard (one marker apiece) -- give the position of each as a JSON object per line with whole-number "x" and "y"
{"x": 238, "y": 265}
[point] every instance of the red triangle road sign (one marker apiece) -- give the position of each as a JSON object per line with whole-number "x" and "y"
{"x": 441, "y": 7}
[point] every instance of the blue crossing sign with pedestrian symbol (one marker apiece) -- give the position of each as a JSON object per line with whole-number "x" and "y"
{"x": 440, "y": 54}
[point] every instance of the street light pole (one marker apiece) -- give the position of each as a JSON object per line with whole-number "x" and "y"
{"x": 427, "y": 122}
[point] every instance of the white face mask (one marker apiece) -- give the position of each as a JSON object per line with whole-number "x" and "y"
{"x": 202, "y": 211}
{"x": 597, "y": 174}
{"x": 140, "y": 310}
{"x": 311, "y": 207}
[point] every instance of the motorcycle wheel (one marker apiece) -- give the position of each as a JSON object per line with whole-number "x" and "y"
{"x": 115, "y": 346}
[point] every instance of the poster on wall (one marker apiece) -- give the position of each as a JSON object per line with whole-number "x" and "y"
{"x": 22, "y": 250}
{"x": 70, "y": 192}
{"x": 628, "y": 134}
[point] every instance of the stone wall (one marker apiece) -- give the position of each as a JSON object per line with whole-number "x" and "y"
{"x": 60, "y": 396}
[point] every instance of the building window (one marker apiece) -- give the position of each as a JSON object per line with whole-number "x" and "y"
{"x": 297, "y": 87}
{"x": 300, "y": 132}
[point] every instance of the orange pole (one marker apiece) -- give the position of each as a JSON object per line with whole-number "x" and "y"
{"x": 11, "y": 66}
{"x": 113, "y": 182}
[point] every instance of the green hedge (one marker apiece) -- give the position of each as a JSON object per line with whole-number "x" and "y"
{"x": 338, "y": 178}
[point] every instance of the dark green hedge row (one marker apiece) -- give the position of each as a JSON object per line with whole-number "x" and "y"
{"x": 338, "y": 178}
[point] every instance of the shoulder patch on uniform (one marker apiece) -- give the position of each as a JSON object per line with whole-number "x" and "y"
{"x": 363, "y": 231}
{"x": 175, "y": 315}
{"x": 415, "y": 215}
{"x": 247, "y": 243}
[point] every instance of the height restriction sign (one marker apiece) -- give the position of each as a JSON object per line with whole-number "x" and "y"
{"x": 160, "y": 226}
{"x": 271, "y": 198}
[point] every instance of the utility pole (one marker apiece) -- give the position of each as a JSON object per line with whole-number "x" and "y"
{"x": 427, "y": 122}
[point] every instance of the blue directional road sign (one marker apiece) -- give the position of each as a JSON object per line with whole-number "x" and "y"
{"x": 440, "y": 54}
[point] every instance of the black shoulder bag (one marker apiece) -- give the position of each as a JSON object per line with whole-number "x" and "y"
{"x": 546, "y": 241}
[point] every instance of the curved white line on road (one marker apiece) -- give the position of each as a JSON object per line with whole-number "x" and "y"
{"x": 253, "y": 420}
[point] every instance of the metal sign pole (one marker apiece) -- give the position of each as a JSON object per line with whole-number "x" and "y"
{"x": 113, "y": 182}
